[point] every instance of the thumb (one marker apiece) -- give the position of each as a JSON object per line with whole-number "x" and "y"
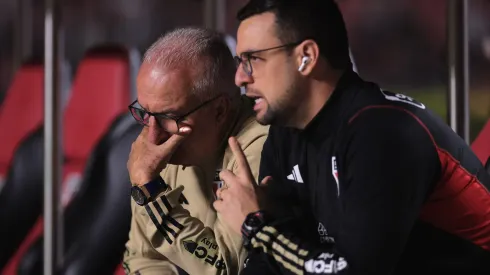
{"x": 169, "y": 146}
{"x": 266, "y": 180}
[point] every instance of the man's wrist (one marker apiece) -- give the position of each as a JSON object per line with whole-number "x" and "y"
{"x": 253, "y": 223}
{"x": 148, "y": 191}
{"x": 143, "y": 180}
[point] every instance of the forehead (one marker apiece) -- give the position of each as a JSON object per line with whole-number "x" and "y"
{"x": 256, "y": 33}
{"x": 163, "y": 90}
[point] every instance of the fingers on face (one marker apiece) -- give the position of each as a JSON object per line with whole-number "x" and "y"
{"x": 173, "y": 142}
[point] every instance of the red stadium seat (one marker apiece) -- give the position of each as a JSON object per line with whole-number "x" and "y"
{"x": 481, "y": 145}
{"x": 100, "y": 94}
{"x": 21, "y": 159}
{"x": 21, "y": 112}
{"x": 120, "y": 270}
{"x": 100, "y": 213}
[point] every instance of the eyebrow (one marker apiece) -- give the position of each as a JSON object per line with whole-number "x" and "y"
{"x": 248, "y": 51}
{"x": 169, "y": 112}
{"x": 165, "y": 113}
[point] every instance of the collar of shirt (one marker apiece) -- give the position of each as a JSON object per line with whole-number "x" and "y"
{"x": 326, "y": 122}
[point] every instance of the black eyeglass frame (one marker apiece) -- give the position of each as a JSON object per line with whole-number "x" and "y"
{"x": 177, "y": 119}
{"x": 246, "y": 55}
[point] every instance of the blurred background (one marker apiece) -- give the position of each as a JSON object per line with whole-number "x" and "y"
{"x": 400, "y": 44}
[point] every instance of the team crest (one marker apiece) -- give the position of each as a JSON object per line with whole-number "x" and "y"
{"x": 335, "y": 173}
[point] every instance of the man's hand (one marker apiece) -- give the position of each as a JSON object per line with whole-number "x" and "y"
{"x": 239, "y": 197}
{"x": 148, "y": 158}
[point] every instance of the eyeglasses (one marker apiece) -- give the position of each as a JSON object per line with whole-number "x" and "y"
{"x": 168, "y": 123}
{"x": 245, "y": 57}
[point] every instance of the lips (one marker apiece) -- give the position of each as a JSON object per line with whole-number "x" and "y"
{"x": 257, "y": 99}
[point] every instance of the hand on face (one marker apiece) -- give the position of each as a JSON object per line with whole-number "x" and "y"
{"x": 148, "y": 158}
{"x": 239, "y": 196}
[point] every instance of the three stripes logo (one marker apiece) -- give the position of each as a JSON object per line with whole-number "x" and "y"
{"x": 165, "y": 224}
{"x": 285, "y": 251}
{"x": 295, "y": 175}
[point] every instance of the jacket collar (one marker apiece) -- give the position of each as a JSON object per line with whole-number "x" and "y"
{"x": 329, "y": 117}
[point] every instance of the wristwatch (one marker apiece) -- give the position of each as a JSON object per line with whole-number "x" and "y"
{"x": 146, "y": 193}
{"x": 252, "y": 224}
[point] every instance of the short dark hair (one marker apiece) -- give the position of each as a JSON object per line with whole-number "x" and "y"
{"x": 296, "y": 20}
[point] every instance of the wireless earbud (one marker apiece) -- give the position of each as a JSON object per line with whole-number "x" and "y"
{"x": 304, "y": 61}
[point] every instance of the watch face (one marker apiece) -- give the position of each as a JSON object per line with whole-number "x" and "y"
{"x": 252, "y": 224}
{"x": 138, "y": 195}
{"x": 254, "y": 221}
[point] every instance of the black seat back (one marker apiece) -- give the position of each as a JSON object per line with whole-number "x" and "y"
{"x": 21, "y": 200}
{"x": 97, "y": 220}
{"x": 102, "y": 214}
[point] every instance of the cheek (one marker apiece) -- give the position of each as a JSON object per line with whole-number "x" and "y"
{"x": 199, "y": 142}
{"x": 276, "y": 81}
{"x": 203, "y": 128}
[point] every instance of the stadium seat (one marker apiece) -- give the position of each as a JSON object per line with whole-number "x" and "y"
{"x": 97, "y": 220}
{"x": 21, "y": 112}
{"x": 21, "y": 159}
{"x": 120, "y": 270}
{"x": 21, "y": 201}
{"x": 103, "y": 212}
{"x": 481, "y": 144}
{"x": 100, "y": 94}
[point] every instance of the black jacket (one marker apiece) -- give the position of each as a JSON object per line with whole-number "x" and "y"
{"x": 384, "y": 187}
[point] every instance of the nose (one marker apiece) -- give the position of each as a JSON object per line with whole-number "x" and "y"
{"x": 241, "y": 77}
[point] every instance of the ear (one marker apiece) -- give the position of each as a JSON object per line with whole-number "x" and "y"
{"x": 308, "y": 48}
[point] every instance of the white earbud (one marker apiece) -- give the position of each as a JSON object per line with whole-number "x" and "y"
{"x": 304, "y": 61}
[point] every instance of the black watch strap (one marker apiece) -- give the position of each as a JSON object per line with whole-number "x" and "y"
{"x": 148, "y": 192}
{"x": 155, "y": 187}
{"x": 253, "y": 223}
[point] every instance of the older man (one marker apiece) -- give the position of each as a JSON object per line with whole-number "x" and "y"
{"x": 189, "y": 106}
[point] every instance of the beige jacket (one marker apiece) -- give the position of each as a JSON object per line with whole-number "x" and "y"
{"x": 181, "y": 227}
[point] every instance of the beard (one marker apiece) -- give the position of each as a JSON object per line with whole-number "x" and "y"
{"x": 281, "y": 112}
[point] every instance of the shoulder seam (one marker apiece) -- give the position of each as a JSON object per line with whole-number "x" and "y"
{"x": 422, "y": 124}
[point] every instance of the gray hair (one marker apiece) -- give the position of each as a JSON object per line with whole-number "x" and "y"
{"x": 204, "y": 52}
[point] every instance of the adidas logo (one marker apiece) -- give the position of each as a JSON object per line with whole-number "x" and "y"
{"x": 296, "y": 175}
